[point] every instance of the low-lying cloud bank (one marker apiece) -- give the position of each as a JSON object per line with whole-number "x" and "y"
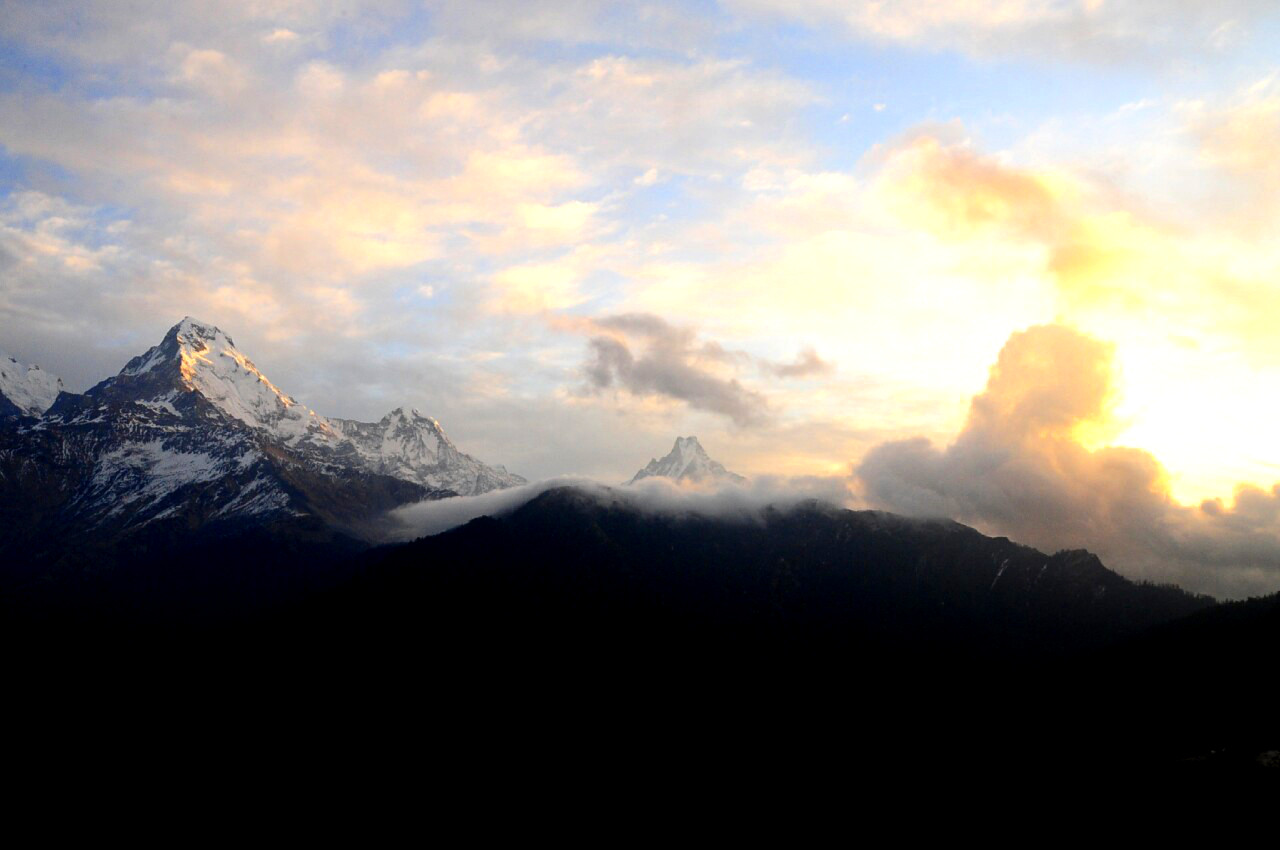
{"x": 1019, "y": 468}
{"x": 654, "y": 495}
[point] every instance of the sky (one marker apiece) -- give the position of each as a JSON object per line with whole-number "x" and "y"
{"x": 1014, "y": 261}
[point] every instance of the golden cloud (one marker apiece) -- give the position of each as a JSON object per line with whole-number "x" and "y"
{"x": 1019, "y": 468}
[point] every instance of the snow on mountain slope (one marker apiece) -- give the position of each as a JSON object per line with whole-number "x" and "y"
{"x": 191, "y": 433}
{"x": 141, "y": 477}
{"x": 414, "y": 447}
{"x": 197, "y": 357}
{"x": 687, "y": 461}
{"x": 29, "y": 388}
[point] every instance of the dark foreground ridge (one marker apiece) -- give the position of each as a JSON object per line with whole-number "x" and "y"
{"x": 579, "y": 619}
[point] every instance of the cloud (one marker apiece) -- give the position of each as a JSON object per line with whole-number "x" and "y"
{"x": 700, "y": 117}
{"x": 647, "y": 356}
{"x": 212, "y": 72}
{"x": 1239, "y": 136}
{"x": 302, "y": 187}
{"x": 954, "y": 190}
{"x": 280, "y": 35}
{"x": 541, "y": 286}
{"x": 272, "y": 176}
{"x": 94, "y": 32}
{"x": 1203, "y": 269}
{"x": 818, "y": 256}
{"x": 1022, "y": 467}
{"x": 806, "y": 365}
{"x": 1102, "y": 31}
{"x": 1094, "y": 250}
{"x": 744, "y": 501}
{"x": 293, "y": 198}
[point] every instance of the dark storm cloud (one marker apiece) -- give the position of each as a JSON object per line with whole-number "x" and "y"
{"x": 1018, "y": 468}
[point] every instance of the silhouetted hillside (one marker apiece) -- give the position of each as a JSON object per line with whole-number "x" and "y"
{"x": 579, "y": 621}
{"x": 570, "y": 567}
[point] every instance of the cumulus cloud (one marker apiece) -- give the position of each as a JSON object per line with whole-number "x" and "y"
{"x": 653, "y": 495}
{"x": 647, "y": 356}
{"x": 1022, "y": 467}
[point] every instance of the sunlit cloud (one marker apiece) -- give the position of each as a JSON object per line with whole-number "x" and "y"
{"x": 1109, "y": 31}
{"x": 1238, "y": 137}
{"x": 1021, "y": 467}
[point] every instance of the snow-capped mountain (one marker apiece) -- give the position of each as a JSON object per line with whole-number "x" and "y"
{"x": 191, "y": 432}
{"x": 196, "y": 357}
{"x": 26, "y": 390}
{"x": 413, "y": 447}
{"x": 687, "y": 461}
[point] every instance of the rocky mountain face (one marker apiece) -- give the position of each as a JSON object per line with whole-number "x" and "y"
{"x": 191, "y": 435}
{"x": 197, "y": 357}
{"x": 413, "y": 447}
{"x": 25, "y": 390}
{"x": 687, "y": 461}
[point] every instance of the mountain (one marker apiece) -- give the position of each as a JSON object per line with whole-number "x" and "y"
{"x": 25, "y": 390}
{"x": 687, "y": 461}
{"x": 191, "y": 439}
{"x": 791, "y": 639}
{"x": 811, "y": 575}
{"x": 871, "y": 639}
{"x": 413, "y": 447}
{"x": 198, "y": 357}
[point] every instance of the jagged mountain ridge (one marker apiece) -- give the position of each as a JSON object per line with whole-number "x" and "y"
{"x": 26, "y": 390}
{"x": 196, "y": 356}
{"x": 192, "y": 435}
{"x": 687, "y": 461}
{"x": 413, "y": 447}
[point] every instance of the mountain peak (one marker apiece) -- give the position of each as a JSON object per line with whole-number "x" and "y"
{"x": 689, "y": 447}
{"x": 198, "y": 356}
{"x": 687, "y": 461}
{"x": 409, "y": 445}
{"x": 198, "y": 360}
{"x": 191, "y": 326}
{"x": 406, "y": 413}
{"x": 28, "y": 388}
